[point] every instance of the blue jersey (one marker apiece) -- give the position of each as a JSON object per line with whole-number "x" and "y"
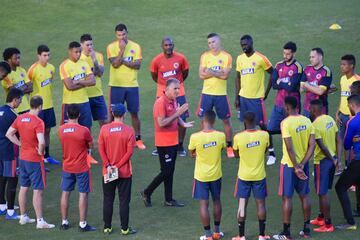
{"x": 7, "y": 117}
{"x": 352, "y": 136}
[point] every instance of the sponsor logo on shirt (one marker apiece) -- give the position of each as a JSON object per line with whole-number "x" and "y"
{"x": 128, "y": 59}
{"x": 345, "y": 93}
{"x": 20, "y": 84}
{"x": 46, "y": 82}
{"x": 329, "y": 125}
{"x": 25, "y": 120}
{"x": 314, "y": 83}
{"x": 69, "y": 130}
{"x": 247, "y": 71}
{"x": 169, "y": 73}
{"x": 216, "y": 68}
{"x": 284, "y": 80}
{"x": 115, "y": 129}
{"x": 1, "y": 113}
{"x": 210, "y": 144}
{"x": 301, "y": 128}
{"x": 78, "y": 77}
{"x": 253, "y": 144}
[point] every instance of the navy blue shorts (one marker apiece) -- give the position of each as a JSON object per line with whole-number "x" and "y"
{"x": 48, "y": 117}
{"x": 32, "y": 174}
{"x": 324, "y": 176}
{"x": 243, "y": 189}
{"x": 8, "y": 168}
{"x": 201, "y": 190}
{"x": 344, "y": 119}
{"x": 277, "y": 115}
{"x": 256, "y": 106}
{"x": 83, "y": 181}
{"x": 221, "y": 104}
{"x": 130, "y": 95}
{"x": 85, "y": 114}
{"x": 181, "y": 100}
{"x": 288, "y": 182}
{"x": 98, "y": 108}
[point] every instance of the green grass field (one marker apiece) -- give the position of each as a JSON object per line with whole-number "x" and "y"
{"x": 28, "y": 23}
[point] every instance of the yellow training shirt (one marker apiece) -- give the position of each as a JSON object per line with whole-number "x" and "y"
{"x": 345, "y": 92}
{"x": 94, "y": 91}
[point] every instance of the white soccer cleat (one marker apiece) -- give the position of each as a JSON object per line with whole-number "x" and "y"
{"x": 24, "y": 219}
{"x": 271, "y": 160}
{"x": 44, "y": 225}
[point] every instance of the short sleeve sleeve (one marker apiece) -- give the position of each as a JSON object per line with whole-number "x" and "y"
{"x": 192, "y": 144}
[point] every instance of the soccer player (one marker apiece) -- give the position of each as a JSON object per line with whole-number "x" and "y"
{"x": 41, "y": 74}
{"x": 17, "y": 78}
{"x": 32, "y": 172}
{"x": 286, "y": 79}
{"x": 116, "y": 146}
{"x": 298, "y": 136}
{"x": 76, "y": 76}
{"x": 8, "y": 157}
{"x": 4, "y": 70}
{"x": 326, "y": 155}
{"x": 166, "y": 65}
{"x": 316, "y": 81}
{"x": 76, "y": 141}
{"x": 166, "y": 115}
{"x": 215, "y": 66}
{"x": 207, "y": 146}
{"x": 95, "y": 93}
{"x": 351, "y": 174}
{"x": 125, "y": 59}
{"x": 250, "y": 146}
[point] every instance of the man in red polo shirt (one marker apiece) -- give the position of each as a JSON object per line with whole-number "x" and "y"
{"x": 166, "y": 65}
{"x": 116, "y": 145}
{"x": 166, "y": 116}
{"x": 32, "y": 172}
{"x": 76, "y": 141}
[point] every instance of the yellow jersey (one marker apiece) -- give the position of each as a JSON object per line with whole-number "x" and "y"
{"x": 252, "y": 72}
{"x": 252, "y": 145}
{"x": 124, "y": 76}
{"x": 214, "y": 85}
{"x": 94, "y": 91}
{"x": 17, "y": 79}
{"x": 42, "y": 79}
{"x": 77, "y": 71}
{"x": 325, "y": 129}
{"x": 345, "y": 92}
{"x": 299, "y": 129}
{"x": 208, "y": 146}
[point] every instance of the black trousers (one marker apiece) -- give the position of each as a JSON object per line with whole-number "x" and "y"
{"x": 123, "y": 186}
{"x": 8, "y": 185}
{"x": 351, "y": 176}
{"x": 167, "y": 158}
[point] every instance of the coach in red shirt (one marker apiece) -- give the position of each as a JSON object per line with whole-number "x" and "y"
{"x": 116, "y": 144}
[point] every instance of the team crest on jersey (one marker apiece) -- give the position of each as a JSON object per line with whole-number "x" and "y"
{"x": 83, "y": 68}
{"x": 220, "y": 61}
{"x": 132, "y": 51}
{"x": 45, "y": 82}
{"x": 115, "y": 129}
{"x": 51, "y": 72}
{"x": 19, "y": 84}
{"x": 210, "y": 144}
{"x": 253, "y": 144}
{"x": 290, "y": 73}
{"x": 254, "y": 64}
{"x": 318, "y": 76}
{"x": 301, "y": 128}
{"x": 247, "y": 71}
{"x": 169, "y": 73}
{"x": 69, "y": 130}
{"x": 176, "y": 65}
{"x": 25, "y": 120}
{"x": 22, "y": 75}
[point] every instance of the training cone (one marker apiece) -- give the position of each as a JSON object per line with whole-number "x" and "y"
{"x": 91, "y": 160}
{"x": 335, "y": 26}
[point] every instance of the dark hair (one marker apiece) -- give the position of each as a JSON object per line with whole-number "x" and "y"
{"x": 118, "y": 114}
{"x": 73, "y": 111}
{"x": 246, "y": 37}
{"x": 317, "y": 103}
{"x": 42, "y": 48}
{"x": 5, "y": 66}
{"x": 355, "y": 98}
{"x": 9, "y": 52}
{"x": 13, "y": 94}
{"x": 290, "y": 46}
{"x": 349, "y": 58}
{"x": 355, "y": 87}
{"x": 291, "y": 101}
{"x": 74, "y": 45}
{"x": 85, "y": 37}
{"x": 35, "y": 102}
{"x": 210, "y": 116}
{"x": 211, "y": 35}
{"x": 318, "y": 51}
{"x": 172, "y": 81}
{"x": 121, "y": 27}
{"x": 250, "y": 117}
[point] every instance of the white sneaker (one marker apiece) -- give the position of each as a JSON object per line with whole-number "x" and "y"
{"x": 44, "y": 225}
{"x": 271, "y": 160}
{"x": 24, "y": 219}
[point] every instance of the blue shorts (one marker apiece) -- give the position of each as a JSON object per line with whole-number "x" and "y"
{"x": 201, "y": 190}
{"x": 344, "y": 119}
{"x": 221, "y": 104}
{"x": 8, "y": 168}
{"x": 32, "y": 174}
{"x": 83, "y": 181}
{"x": 48, "y": 117}
{"x": 256, "y": 106}
{"x": 85, "y": 114}
{"x": 98, "y": 108}
{"x": 243, "y": 189}
{"x": 130, "y": 95}
{"x": 277, "y": 115}
{"x": 181, "y": 100}
{"x": 324, "y": 176}
{"x": 288, "y": 182}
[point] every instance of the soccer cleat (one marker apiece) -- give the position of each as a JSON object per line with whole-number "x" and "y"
{"x": 44, "y": 225}
{"x": 140, "y": 144}
{"x": 204, "y": 237}
{"x": 282, "y": 236}
{"x": 271, "y": 160}
{"x": 51, "y": 160}
{"x": 107, "y": 231}
{"x": 155, "y": 153}
{"x": 324, "y": 228}
{"x": 318, "y": 221}
{"x": 230, "y": 152}
{"x": 25, "y": 219}
{"x": 182, "y": 152}
{"x": 173, "y": 203}
{"x": 239, "y": 238}
{"x": 15, "y": 216}
{"x": 129, "y": 231}
{"x": 87, "y": 228}
{"x": 346, "y": 226}
{"x": 64, "y": 226}
{"x": 146, "y": 199}
{"x": 3, "y": 212}
{"x": 217, "y": 235}
{"x": 305, "y": 234}
{"x": 265, "y": 237}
